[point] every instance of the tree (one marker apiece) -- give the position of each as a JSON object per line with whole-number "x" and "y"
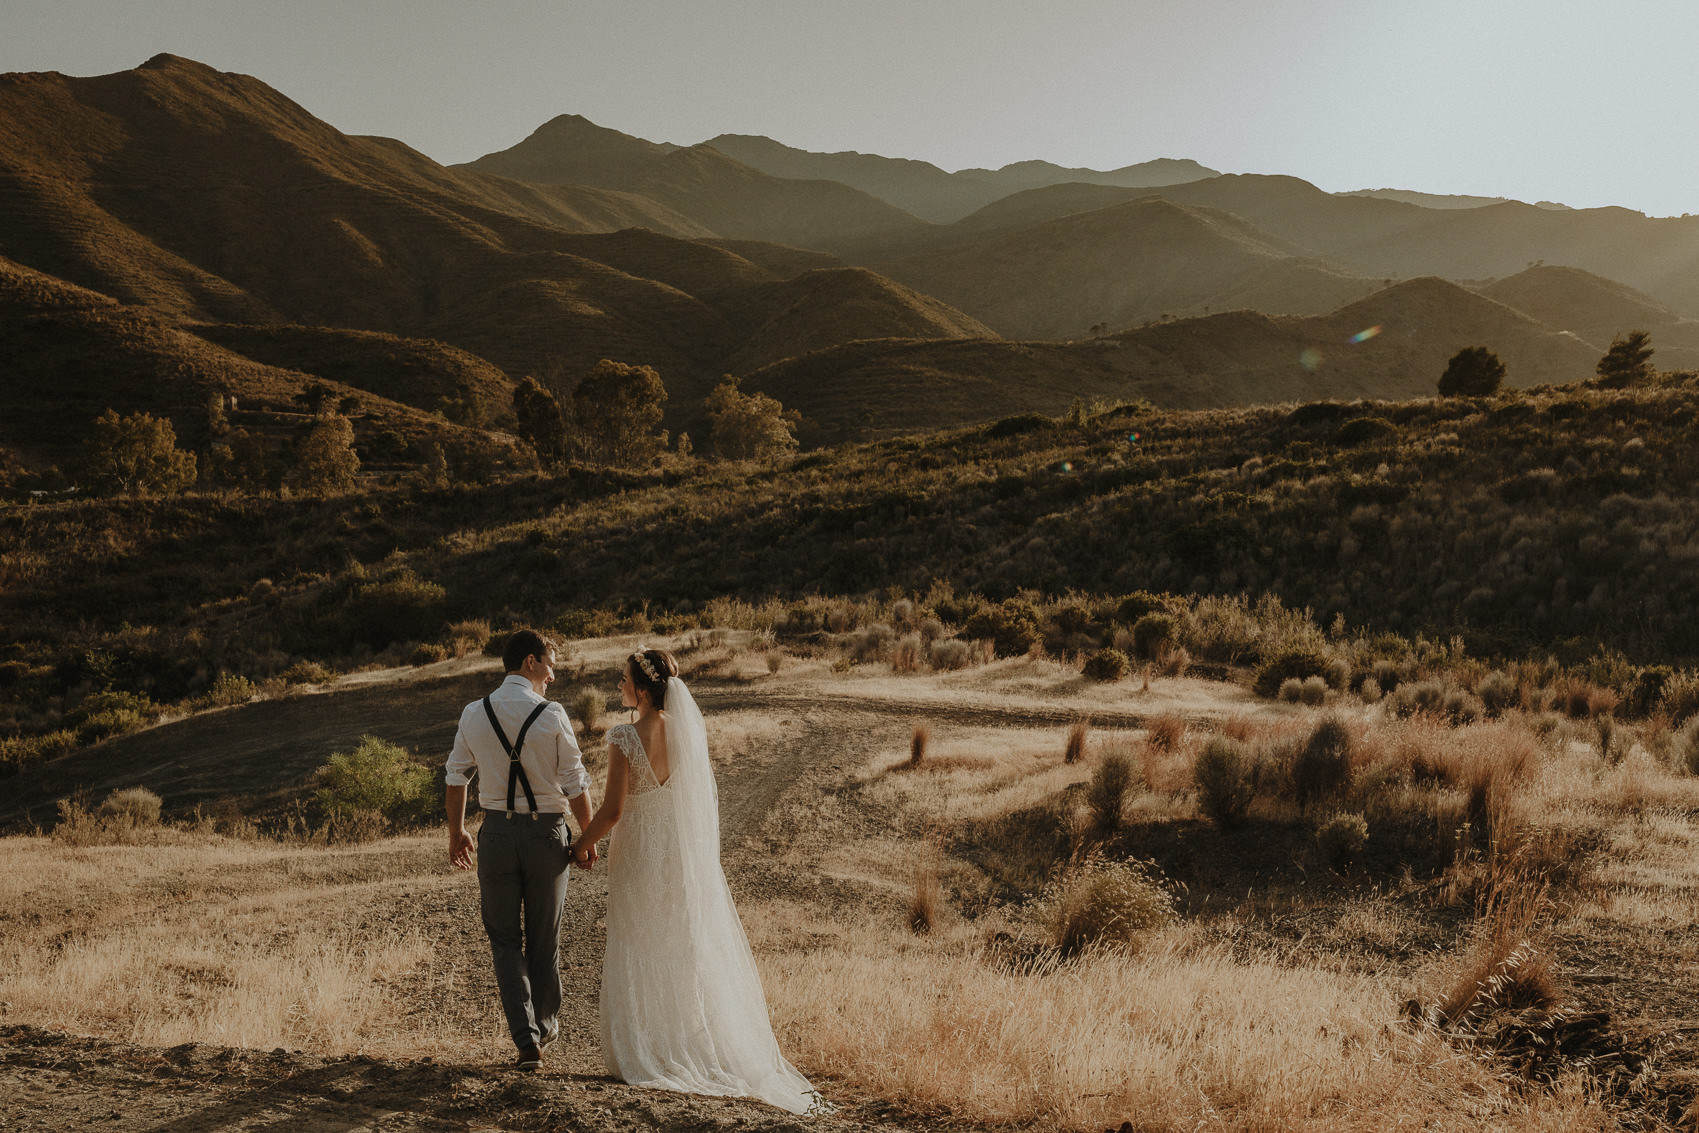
{"x": 616, "y": 408}
{"x": 1473, "y": 371}
{"x": 136, "y": 454}
{"x": 539, "y": 421}
{"x": 324, "y": 457}
{"x": 1628, "y": 361}
{"x": 749, "y": 426}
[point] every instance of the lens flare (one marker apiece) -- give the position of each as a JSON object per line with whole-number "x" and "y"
{"x": 1364, "y": 335}
{"x": 1309, "y": 358}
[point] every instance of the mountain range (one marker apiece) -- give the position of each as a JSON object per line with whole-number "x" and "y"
{"x": 172, "y": 231}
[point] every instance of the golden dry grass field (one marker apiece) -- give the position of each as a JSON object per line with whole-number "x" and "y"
{"x": 911, "y": 919}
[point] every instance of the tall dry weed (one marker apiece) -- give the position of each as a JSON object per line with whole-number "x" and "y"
{"x": 1074, "y": 750}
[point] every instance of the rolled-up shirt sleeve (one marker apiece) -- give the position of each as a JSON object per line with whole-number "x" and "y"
{"x": 574, "y": 780}
{"x": 462, "y": 765}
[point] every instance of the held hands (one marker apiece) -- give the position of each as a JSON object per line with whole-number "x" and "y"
{"x": 584, "y": 854}
{"x": 460, "y": 849}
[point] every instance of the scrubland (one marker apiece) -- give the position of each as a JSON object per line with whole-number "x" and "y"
{"x": 1009, "y": 896}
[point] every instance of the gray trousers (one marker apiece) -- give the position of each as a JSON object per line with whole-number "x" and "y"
{"x": 522, "y": 871}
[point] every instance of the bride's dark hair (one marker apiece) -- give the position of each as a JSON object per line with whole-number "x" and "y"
{"x": 650, "y": 671}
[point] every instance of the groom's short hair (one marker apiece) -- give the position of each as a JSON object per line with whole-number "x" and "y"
{"x": 524, "y": 643}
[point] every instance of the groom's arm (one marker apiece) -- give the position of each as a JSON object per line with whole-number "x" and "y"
{"x": 459, "y": 841}
{"x": 462, "y": 765}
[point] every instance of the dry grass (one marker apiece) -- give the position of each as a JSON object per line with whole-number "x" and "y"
{"x": 972, "y": 775}
{"x": 1177, "y": 1035}
{"x": 213, "y": 940}
{"x": 918, "y": 740}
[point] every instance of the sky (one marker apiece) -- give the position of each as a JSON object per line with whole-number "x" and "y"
{"x": 1585, "y": 102}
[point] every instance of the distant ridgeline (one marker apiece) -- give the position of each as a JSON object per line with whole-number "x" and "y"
{"x": 175, "y": 236}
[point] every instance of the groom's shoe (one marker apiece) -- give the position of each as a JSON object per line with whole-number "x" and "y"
{"x": 530, "y": 1059}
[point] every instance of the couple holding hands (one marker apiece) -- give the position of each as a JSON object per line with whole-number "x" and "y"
{"x": 681, "y": 1005}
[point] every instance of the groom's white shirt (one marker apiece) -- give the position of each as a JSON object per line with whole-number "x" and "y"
{"x": 553, "y": 764}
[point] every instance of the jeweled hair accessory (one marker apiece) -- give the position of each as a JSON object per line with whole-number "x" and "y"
{"x": 648, "y": 667}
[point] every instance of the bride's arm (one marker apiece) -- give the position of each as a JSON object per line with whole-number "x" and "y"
{"x": 613, "y": 799}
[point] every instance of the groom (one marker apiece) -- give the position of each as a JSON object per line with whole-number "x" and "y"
{"x": 521, "y": 747}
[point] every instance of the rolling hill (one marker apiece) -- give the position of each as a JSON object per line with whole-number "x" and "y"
{"x": 928, "y": 191}
{"x": 197, "y": 199}
{"x": 731, "y": 199}
{"x": 68, "y": 354}
{"x": 1231, "y": 358}
{"x": 1599, "y": 310}
{"x": 1125, "y": 265}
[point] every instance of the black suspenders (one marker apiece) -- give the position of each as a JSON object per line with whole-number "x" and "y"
{"x": 515, "y": 770}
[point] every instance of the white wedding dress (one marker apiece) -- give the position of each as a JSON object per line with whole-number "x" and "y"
{"x": 682, "y": 1005}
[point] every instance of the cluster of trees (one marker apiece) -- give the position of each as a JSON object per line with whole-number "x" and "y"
{"x": 1476, "y": 371}
{"x": 614, "y": 414}
{"x": 138, "y": 455}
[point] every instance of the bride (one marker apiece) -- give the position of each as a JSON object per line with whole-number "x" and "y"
{"x": 682, "y": 1006}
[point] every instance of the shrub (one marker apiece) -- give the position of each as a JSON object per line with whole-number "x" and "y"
{"x": 1102, "y": 904}
{"x": 137, "y": 806}
{"x": 105, "y": 714}
{"x": 428, "y": 653}
{"x": 1173, "y": 662}
{"x": 1415, "y": 697}
{"x": 1614, "y": 742}
{"x": 1322, "y": 769}
{"x": 1106, "y": 794}
{"x": 394, "y": 606}
{"x": 1165, "y": 732}
{"x": 1300, "y": 661}
{"x": 1314, "y": 691}
{"x": 1338, "y": 674}
{"x": 1460, "y": 707}
{"x": 1012, "y": 628}
{"x": 1136, "y": 605}
{"x": 949, "y": 654}
{"x": 589, "y": 706}
{"x": 1386, "y": 675}
{"x": 776, "y": 660}
{"x": 1341, "y": 839}
{"x": 1107, "y": 665}
{"x": 468, "y": 637}
{"x": 1686, "y": 748}
{"x": 1019, "y": 423}
{"x": 1363, "y": 430}
{"x": 1370, "y": 692}
{"x": 1680, "y": 698}
{"x": 230, "y": 689}
{"x": 798, "y": 621}
{"x": 1498, "y": 693}
{"x": 1291, "y": 690}
{"x": 19, "y": 752}
{"x": 872, "y": 643}
{"x": 1153, "y": 630}
{"x": 308, "y": 673}
{"x": 1222, "y": 777}
{"x": 378, "y": 777}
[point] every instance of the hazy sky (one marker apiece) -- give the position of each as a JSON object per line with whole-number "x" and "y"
{"x": 1588, "y": 102}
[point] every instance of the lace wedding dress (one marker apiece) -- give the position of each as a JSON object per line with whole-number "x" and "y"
{"x": 682, "y": 1005}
